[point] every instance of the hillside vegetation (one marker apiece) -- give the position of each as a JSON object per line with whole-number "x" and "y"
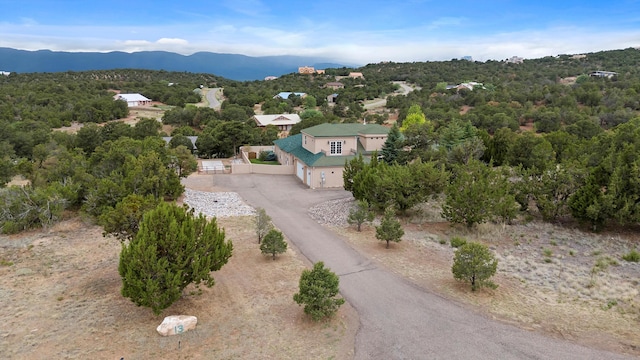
{"x": 544, "y": 122}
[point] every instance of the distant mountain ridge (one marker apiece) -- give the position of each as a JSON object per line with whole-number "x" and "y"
{"x": 231, "y": 66}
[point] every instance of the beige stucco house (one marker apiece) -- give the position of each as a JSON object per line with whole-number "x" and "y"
{"x": 319, "y": 153}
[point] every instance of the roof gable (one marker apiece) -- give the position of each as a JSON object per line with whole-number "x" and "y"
{"x": 278, "y": 119}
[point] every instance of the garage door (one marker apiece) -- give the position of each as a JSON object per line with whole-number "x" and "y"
{"x": 300, "y": 170}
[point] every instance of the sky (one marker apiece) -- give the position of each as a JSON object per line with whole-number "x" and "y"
{"x": 348, "y": 31}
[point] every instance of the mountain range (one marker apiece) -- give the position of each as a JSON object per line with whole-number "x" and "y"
{"x": 231, "y": 66}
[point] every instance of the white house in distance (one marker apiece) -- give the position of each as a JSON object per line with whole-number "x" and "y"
{"x": 284, "y": 122}
{"x": 133, "y": 99}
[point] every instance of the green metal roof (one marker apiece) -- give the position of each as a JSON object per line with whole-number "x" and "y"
{"x": 289, "y": 143}
{"x": 333, "y": 130}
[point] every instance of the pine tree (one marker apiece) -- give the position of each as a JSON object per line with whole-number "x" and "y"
{"x": 360, "y": 214}
{"x": 273, "y": 243}
{"x": 475, "y": 263}
{"x": 392, "y": 146}
{"x": 172, "y": 249}
{"x": 390, "y": 228}
{"x": 318, "y": 289}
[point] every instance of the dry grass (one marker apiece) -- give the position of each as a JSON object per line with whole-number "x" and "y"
{"x": 61, "y": 296}
{"x": 562, "y": 297}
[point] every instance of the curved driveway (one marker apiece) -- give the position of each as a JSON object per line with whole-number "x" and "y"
{"x": 213, "y": 97}
{"x": 397, "y": 319}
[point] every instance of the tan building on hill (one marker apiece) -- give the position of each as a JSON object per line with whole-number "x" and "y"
{"x": 306, "y": 70}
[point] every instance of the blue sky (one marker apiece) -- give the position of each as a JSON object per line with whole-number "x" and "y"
{"x": 349, "y": 31}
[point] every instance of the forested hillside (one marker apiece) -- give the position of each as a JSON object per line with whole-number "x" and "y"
{"x": 559, "y": 143}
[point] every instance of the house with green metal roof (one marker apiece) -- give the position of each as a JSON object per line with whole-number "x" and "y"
{"x": 319, "y": 153}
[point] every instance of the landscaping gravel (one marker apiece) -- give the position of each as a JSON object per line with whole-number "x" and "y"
{"x": 217, "y": 204}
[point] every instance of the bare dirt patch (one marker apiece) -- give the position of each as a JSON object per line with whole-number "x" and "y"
{"x": 60, "y": 291}
{"x": 135, "y": 114}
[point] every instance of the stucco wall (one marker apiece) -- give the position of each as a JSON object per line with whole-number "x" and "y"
{"x": 373, "y": 142}
{"x": 332, "y": 177}
{"x": 316, "y": 145}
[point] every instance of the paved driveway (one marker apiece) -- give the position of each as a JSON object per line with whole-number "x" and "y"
{"x": 398, "y": 319}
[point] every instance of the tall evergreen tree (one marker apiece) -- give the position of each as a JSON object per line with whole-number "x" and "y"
{"x": 392, "y": 146}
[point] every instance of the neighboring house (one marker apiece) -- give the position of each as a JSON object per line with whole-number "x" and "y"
{"x": 133, "y": 99}
{"x": 600, "y": 73}
{"x": 331, "y": 99}
{"x": 269, "y": 78}
{"x": 306, "y": 70}
{"x": 285, "y": 95}
{"x": 467, "y": 85}
{"x": 319, "y": 153}
{"x": 5, "y": 73}
{"x": 334, "y": 85}
{"x": 284, "y": 122}
{"x": 356, "y": 75}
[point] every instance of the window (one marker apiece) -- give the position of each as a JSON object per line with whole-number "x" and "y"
{"x": 336, "y": 148}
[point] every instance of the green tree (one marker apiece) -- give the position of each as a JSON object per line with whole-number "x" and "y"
{"x": 473, "y": 193}
{"x": 318, "y": 290}
{"x": 206, "y": 145}
{"x": 123, "y": 221}
{"x": 273, "y": 243}
{"x": 474, "y": 262}
{"x": 182, "y": 161}
{"x": 390, "y": 228}
{"x": 146, "y": 127}
{"x": 360, "y": 214}
{"x": 552, "y": 189}
{"x": 172, "y": 249}
{"x": 263, "y": 223}
{"x": 392, "y": 146}
{"x": 180, "y": 140}
{"x": 351, "y": 169}
{"x": 532, "y": 152}
{"x": 415, "y": 116}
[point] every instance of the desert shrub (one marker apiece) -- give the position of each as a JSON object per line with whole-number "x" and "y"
{"x": 457, "y": 241}
{"x": 632, "y": 256}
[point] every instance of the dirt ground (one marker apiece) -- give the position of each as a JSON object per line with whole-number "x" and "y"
{"x": 135, "y": 114}
{"x": 60, "y": 291}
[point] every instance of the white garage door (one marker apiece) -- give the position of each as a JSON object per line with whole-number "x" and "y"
{"x": 300, "y": 170}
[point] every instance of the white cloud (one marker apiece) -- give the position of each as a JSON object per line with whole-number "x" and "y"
{"x": 175, "y": 41}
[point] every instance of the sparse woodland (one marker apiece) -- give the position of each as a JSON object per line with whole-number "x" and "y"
{"x": 564, "y": 145}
